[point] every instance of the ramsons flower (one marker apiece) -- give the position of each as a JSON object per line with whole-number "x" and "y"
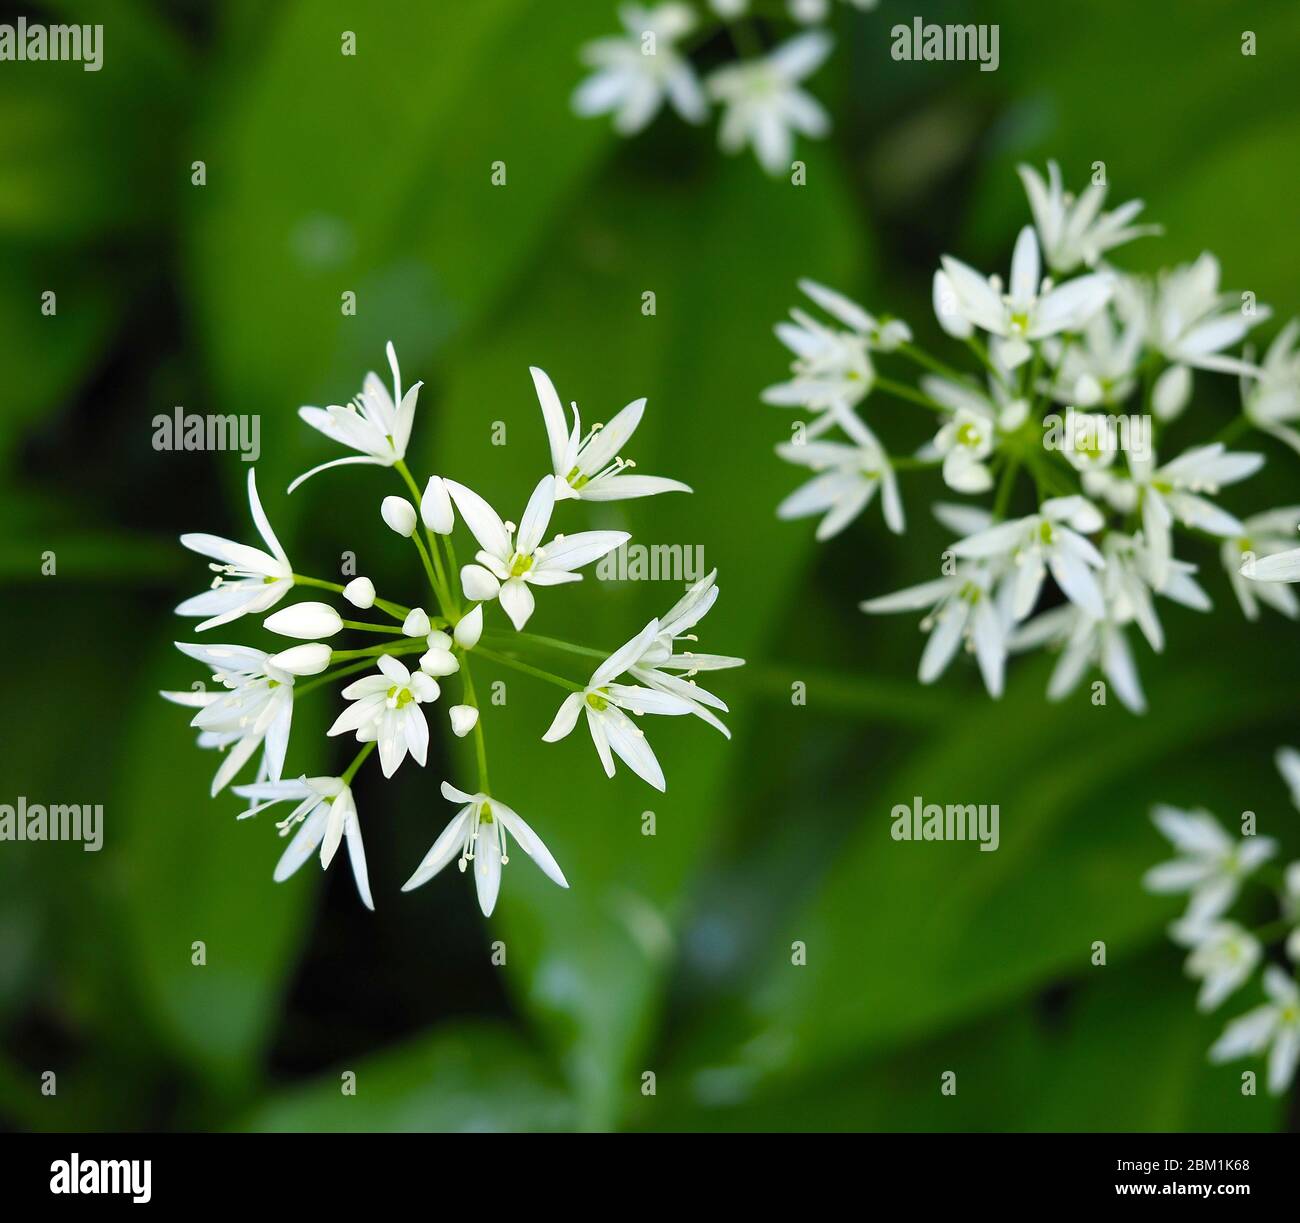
{"x": 479, "y": 831}
{"x": 604, "y": 703}
{"x": 590, "y": 468}
{"x": 376, "y": 424}
{"x": 1270, "y": 534}
{"x": 634, "y": 74}
{"x": 1223, "y": 956}
{"x": 325, "y": 815}
{"x": 764, "y": 104}
{"x": 1192, "y": 322}
{"x": 1272, "y": 401}
{"x": 248, "y": 580}
{"x": 1273, "y": 1028}
{"x": 386, "y": 710}
{"x": 508, "y": 566}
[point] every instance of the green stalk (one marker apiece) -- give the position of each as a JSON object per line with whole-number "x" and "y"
{"x": 480, "y": 743}
{"x": 357, "y": 762}
{"x": 528, "y": 669}
{"x": 396, "y": 610}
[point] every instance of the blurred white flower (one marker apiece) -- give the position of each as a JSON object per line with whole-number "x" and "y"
{"x": 386, "y": 709}
{"x": 1211, "y": 864}
{"x": 375, "y": 423}
{"x": 604, "y": 702}
{"x": 1192, "y": 322}
{"x": 849, "y": 474}
{"x": 636, "y": 72}
{"x": 1272, "y": 402}
{"x": 479, "y": 832}
{"x": 326, "y": 814}
{"x": 1263, "y": 535}
{"x": 764, "y": 104}
{"x": 1032, "y": 310}
{"x": 248, "y": 580}
{"x": 1076, "y": 231}
{"x": 507, "y": 566}
{"x": 1273, "y": 1027}
{"x": 1223, "y": 957}
{"x": 590, "y": 468}
{"x": 1099, "y": 366}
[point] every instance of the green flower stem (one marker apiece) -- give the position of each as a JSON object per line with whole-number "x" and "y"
{"x": 982, "y": 353}
{"x": 501, "y": 637}
{"x": 1233, "y": 430}
{"x": 407, "y": 645}
{"x": 1274, "y": 930}
{"x": 328, "y": 677}
{"x": 921, "y": 357}
{"x": 396, "y": 610}
{"x": 438, "y": 592}
{"x": 362, "y": 627}
{"x": 902, "y": 391}
{"x": 480, "y": 743}
{"x": 447, "y": 584}
{"x": 527, "y": 669}
{"x": 357, "y": 762}
{"x": 1005, "y": 486}
{"x": 903, "y": 462}
{"x": 437, "y": 579}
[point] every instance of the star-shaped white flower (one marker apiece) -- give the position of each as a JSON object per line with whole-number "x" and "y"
{"x": 1192, "y": 322}
{"x": 635, "y": 73}
{"x": 1272, "y": 401}
{"x": 255, "y": 710}
{"x": 1211, "y": 864}
{"x": 479, "y": 831}
{"x": 1273, "y": 1028}
{"x": 590, "y": 468}
{"x": 1032, "y": 310}
{"x": 326, "y": 814}
{"x": 1076, "y": 231}
{"x": 604, "y": 702}
{"x": 509, "y": 566}
{"x": 248, "y": 580}
{"x": 386, "y": 709}
{"x": 1223, "y": 957}
{"x": 376, "y": 423}
{"x": 849, "y": 474}
{"x": 764, "y": 104}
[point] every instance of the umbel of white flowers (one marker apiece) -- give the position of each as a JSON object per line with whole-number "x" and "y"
{"x": 1074, "y": 529}
{"x": 1212, "y": 867}
{"x": 391, "y": 689}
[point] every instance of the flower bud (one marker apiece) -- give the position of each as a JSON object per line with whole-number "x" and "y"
{"x": 303, "y": 659}
{"x": 463, "y": 719}
{"x": 1171, "y": 392}
{"x": 360, "y": 592}
{"x": 438, "y": 640}
{"x": 437, "y": 661}
{"x": 307, "y": 621}
{"x": 435, "y": 507}
{"x": 470, "y": 628}
{"x": 399, "y": 514}
{"x": 416, "y": 623}
{"x": 478, "y": 583}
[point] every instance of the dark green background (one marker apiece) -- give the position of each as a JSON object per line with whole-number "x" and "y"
{"x": 669, "y": 954}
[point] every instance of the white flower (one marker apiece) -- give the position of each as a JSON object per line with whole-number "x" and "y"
{"x": 435, "y": 507}
{"x": 590, "y": 468}
{"x": 360, "y": 592}
{"x": 469, "y": 628}
{"x": 962, "y": 607}
{"x": 1275, "y": 1027}
{"x": 636, "y": 72}
{"x": 463, "y": 719}
{"x": 248, "y": 580}
{"x": 604, "y": 701}
{"x": 848, "y": 479}
{"x": 306, "y": 621}
{"x": 255, "y": 711}
{"x": 1291, "y": 897}
{"x": 764, "y": 104}
{"x": 386, "y": 708}
{"x": 1223, "y": 957}
{"x": 1272, "y": 401}
{"x": 1032, "y": 310}
{"x": 327, "y": 813}
{"x": 1211, "y": 864}
{"x": 399, "y": 514}
{"x": 1100, "y": 365}
{"x": 1287, "y": 760}
{"x": 438, "y": 660}
{"x": 508, "y": 567}
{"x": 1047, "y": 540}
{"x": 653, "y": 666}
{"x": 479, "y": 831}
{"x": 303, "y": 659}
{"x": 1077, "y": 231}
{"x": 375, "y": 423}
{"x": 1263, "y": 535}
{"x": 1192, "y": 322}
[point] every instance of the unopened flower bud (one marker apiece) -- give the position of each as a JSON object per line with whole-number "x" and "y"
{"x": 399, "y": 514}
{"x": 307, "y": 621}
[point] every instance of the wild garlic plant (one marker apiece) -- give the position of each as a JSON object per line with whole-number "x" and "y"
{"x": 435, "y": 639}
{"x": 1082, "y": 369}
{"x": 1212, "y": 867}
{"x": 760, "y": 92}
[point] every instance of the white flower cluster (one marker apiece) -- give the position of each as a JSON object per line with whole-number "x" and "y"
{"x": 250, "y": 710}
{"x": 1080, "y": 371}
{"x": 763, "y": 105}
{"x": 1211, "y": 867}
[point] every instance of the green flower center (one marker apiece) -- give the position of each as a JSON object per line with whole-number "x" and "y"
{"x": 597, "y": 702}
{"x": 520, "y": 564}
